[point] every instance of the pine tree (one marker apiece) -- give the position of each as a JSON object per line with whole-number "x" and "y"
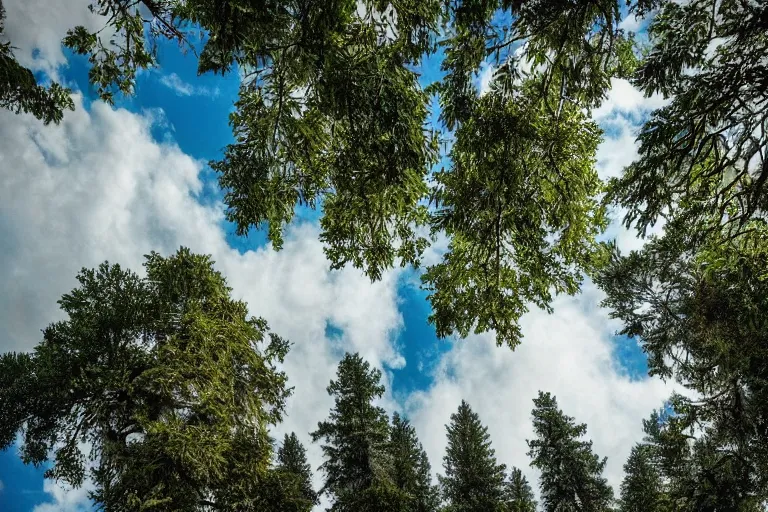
{"x": 292, "y": 461}
{"x": 356, "y": 435}
{"x": 473, "y": 481}
{"x": 411, "y": 471}
{"x": 642, "y": 487}
{"x": 519, "y": 495}
{"x": 571, "y": 475}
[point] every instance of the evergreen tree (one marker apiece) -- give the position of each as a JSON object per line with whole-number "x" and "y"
{"x": 642, "y": 488}
{"x": 571, "y": 475}
{"x": 356, "y": 435}
{"x": 473, "y": 481}
{"x": 166, "y": 378}
{"x": 519, "y": 495}
{"x": 411, "y": 471}
{"x": 20, "y": 92}
{"x": 292, "y": 461}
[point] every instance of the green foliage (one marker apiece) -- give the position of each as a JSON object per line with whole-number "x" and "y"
{"x": 700, "y": 473}
{"x": 133, "y": 29}
{"x": 700, "y": 320}
{"x": 292, "y": 464}
{"x": 518, "y": 204}
{"x": 331, "y": 115}
{"x": 411, "y": 471}
{"x": 703, "y": 156}
{"x": 519, "y": 495}
{"x": 164, "y": 382}
{"x": 473, "y": 481}
{"x": 571, "y": 474}
{"x": 20, "y": 92}
{"x": 356, "y": 436}
{"x": 642, "y": 489}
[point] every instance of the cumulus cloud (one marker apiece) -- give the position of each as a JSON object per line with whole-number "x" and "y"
{"x": 36, "y": 27}
{"x": 621, "y": 116}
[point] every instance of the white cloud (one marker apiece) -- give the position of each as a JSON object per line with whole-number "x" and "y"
{"x": 485, "y": 77}
{"x": 569, "y": 354}
{"x": 621, "y": 116}
{"x": 36, "y": 27}
{"x": 625, "y": 99}
{"x": 64, "y": 498}
{"x": 182, "y": 88}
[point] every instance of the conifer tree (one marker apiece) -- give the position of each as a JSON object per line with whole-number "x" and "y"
{"x": 292, "y": 462}
{"x": 519, "y": 495}
{"x": 571, "y": 475}
{"x": 642, "y": 488}
{"x": 473, "y": 481}
{"x": 411, "y": 471}
{"x": 355, "y": 440}
{"x": 166, "y": 380}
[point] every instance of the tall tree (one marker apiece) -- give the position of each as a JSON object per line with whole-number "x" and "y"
{"x": 292, "y": 460}
{"x": 642, "y": 489}
{"x": 356, "y": 435}
{"x": 19, "y": 90}
{"x": 519, "y": 495}
{"x": 166, "y": 378}
{"x": 473, "y": 480}
{"x": 411, "y": 471}
{"x": 571, "y": 474}
{"x": 697, "y": 293}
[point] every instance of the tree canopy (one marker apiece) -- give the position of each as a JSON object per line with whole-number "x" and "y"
{"x": 169, "y": 387}
{"x": 332, "y": 114}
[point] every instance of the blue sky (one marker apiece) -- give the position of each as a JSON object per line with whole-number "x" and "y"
{"x": 181, "y": 121}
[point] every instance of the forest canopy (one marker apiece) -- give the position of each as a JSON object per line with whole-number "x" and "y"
{"x": 175, "y": 388}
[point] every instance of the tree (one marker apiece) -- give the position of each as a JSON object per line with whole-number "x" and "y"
{"x": 518, "y": 196}
{"x": 699, "y": 318}
{"x": 411, "y": 471}
{"x": 703, "y": 156}
{"x": 19, "y": 90}
{"x": 164, "y": 382}
{"x": 356, "y": 435}
{"x": 700, "y": 473}
{"x": 473, "y": 481}
{"x": 642, "y": 489}
{"x": 292, "y": 460}
{"x": 571, "y": 474}
{"x": 519, "y": 495}
{"x": 698, "y": 293}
